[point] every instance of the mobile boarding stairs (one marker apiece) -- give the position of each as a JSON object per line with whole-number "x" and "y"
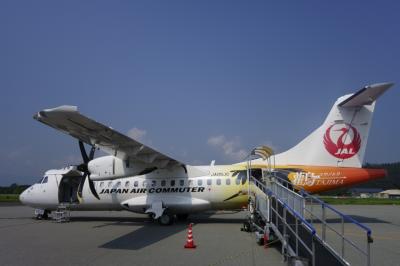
{"x": 311, "y": 232}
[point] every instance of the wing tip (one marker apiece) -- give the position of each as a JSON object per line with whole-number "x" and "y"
{"x": 62, "y": 108}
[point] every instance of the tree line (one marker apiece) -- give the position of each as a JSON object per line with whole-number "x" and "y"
{"x": 13, "y": 189}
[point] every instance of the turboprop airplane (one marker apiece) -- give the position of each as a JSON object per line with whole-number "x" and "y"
{"x": 137, "y": 178}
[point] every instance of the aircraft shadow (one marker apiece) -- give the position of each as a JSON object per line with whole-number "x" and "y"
{"x": 144, "y": 236}
{"x": 151, "y": 232}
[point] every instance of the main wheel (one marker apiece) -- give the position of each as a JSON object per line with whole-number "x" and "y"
{"x": 166, "y": 219}
{"x": 246, "y": 226}
{"x": 182, "y": 216}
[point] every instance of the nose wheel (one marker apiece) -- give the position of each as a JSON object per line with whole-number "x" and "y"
{"x": 42, "y": 214}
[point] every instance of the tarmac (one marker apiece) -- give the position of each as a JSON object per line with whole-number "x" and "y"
{"x": 384, "y": 221}
{"x": 124, "y": 238}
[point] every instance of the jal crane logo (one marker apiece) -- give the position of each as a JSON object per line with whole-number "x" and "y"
{"x": 342, "y": 140}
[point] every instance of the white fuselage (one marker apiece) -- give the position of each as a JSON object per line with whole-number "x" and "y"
{"x": 179, "y": 193}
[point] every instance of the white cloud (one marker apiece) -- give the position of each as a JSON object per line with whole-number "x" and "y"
{"x": 137, "y": 134}
{"x": 216, "y": 140}
{"x": 230, "y": 147}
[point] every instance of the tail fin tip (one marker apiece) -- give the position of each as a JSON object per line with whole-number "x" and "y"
{"x": 366, "y": 96}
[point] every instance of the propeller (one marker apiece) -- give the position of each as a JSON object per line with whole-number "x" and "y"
{"x": 86, "y": 174}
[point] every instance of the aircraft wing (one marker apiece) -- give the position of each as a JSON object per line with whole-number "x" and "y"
{"x": 67, "y": 119}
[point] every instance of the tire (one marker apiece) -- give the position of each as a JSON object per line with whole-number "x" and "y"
{"x": 246, "y": 226}
{"x": 45, "y": 215}
{"x": 166, "y": 219}
{"x": 182, "y": 216}
{"x": 39, "y": 217}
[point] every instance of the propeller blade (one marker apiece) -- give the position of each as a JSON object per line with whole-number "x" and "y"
{"x": 91, "y": 154}
{"x": 83, "y": 152}
{"x": 242, "y": 177}
{"x": 80, "y": 188}
{"x": 84, "y": 168}
{"x": 92, "y": 188}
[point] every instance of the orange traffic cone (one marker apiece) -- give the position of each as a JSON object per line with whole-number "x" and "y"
{"x": 189, "y": 241}
{"x": 265, "y": 240}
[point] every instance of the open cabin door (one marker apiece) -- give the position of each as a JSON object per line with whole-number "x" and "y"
{"x": 68, "y": 187}
{"x": 256, "y": 173}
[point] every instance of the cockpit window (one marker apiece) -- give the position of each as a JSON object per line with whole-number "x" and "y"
{"x": 42, "y": 180}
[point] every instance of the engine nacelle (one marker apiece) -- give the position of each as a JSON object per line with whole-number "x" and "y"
{"x": 111, "y": 167}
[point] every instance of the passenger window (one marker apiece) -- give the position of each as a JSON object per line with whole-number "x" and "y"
{"x": 144, "y": 183}
{"x": 163, "y": 183}
{"x": 172, "y": 183}
{"x": 237, "y": 181}
{"x": 118, "y": 184}
{"x": 190, "y": 182}
{"x": 218, "y": 182}
{"x": 209, "y": 182}
{"x": 127, "y": 184}
{"x": 44, "y": 180}
{"x": 181, "y": 182}
{"x": 200, "y": 182}
{"x": 228, "y": 181}
{"x": 153, "y": 183}
{"x": 110, "y": 184}
{"x": 136, "y": 183}
{"x": 101, "y": 184}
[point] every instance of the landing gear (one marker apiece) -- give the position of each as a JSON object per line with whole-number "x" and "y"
{"x": 42, "y": 214}
{"x": 246, "y": 227}
{"x": 182, "y": 216}
{"x": 166, "y": 219}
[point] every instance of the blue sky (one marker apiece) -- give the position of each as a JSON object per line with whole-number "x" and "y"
{"x": 178, "y": 74}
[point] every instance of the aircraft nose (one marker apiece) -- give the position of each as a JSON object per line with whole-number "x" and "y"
{"x": 23, "y": 197}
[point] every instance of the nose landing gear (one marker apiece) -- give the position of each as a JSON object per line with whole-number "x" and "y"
{"x": 41, "y": 214}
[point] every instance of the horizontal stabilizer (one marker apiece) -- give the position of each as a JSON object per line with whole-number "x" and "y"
{"x": 366, "y": 96}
